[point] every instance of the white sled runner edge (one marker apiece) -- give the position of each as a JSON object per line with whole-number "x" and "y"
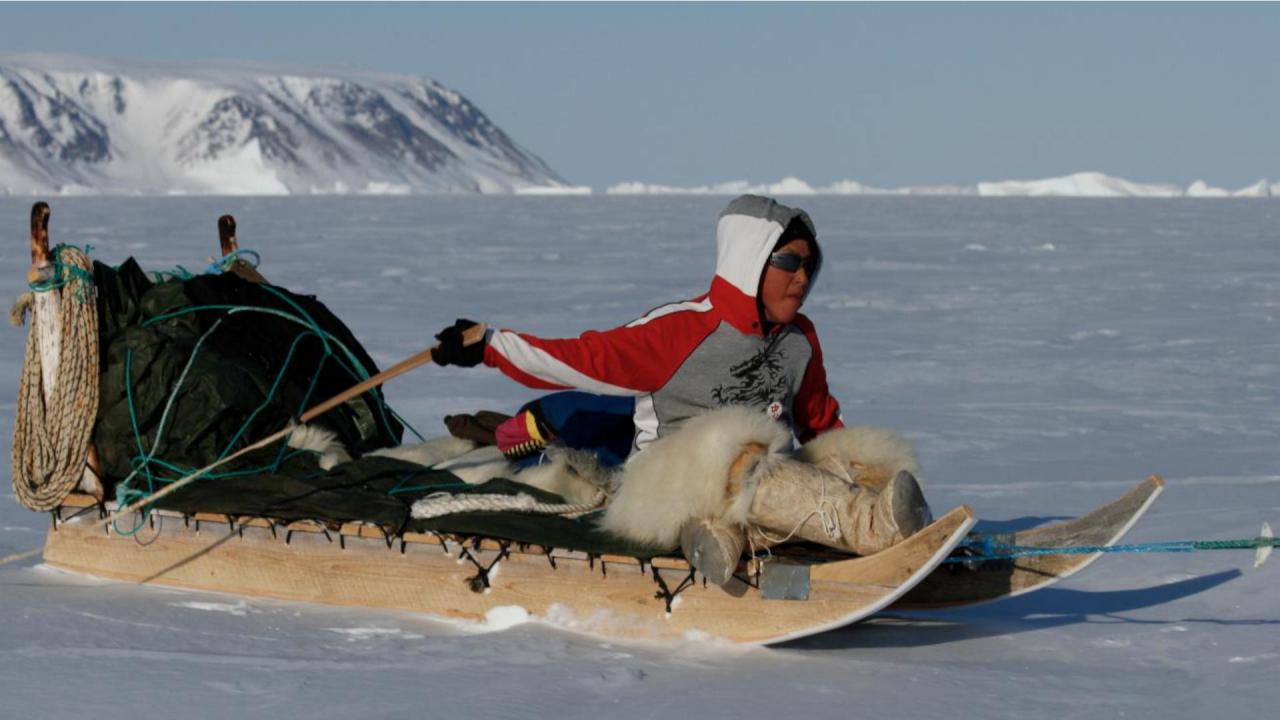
{"x": 1264, "y": 550}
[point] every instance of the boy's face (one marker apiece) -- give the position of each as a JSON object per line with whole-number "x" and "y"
{"x": 782, "y": 292}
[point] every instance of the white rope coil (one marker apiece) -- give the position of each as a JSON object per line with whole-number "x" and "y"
{"x": 51, "y": 441}
{"x": 440, "y": 504}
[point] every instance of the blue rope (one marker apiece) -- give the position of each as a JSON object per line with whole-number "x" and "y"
{"x": 144, "y": 462}
{"x": 225, "y": 263}
{"x": 63, "y": 273}
{"x": 986, "y": 549}
{"x": 351, "y": 364}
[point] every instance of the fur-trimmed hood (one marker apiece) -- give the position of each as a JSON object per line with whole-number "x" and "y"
{"x": 747, "y": 233}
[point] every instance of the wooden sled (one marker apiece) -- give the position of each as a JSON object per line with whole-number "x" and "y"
{"x": 611, "y": 596}
{"x": 773, "y": 599}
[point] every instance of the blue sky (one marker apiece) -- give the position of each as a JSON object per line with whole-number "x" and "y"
{"x": 687, "y": 94}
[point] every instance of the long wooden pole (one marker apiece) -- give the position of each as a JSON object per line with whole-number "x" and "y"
{"x": 470, "y": 337}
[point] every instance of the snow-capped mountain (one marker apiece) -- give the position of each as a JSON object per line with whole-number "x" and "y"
{"x": 70, "y": 125}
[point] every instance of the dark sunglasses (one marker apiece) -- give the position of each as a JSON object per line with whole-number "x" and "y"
{"x": 791, "y": 262}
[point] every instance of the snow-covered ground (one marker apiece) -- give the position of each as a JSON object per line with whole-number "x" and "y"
{"x": 1042, "y": 354}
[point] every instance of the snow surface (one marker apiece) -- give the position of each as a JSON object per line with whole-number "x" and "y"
{"x": 1043, "y": 355}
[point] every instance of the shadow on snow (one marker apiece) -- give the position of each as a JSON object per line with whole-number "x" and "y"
{"x": 1047, "y": 609}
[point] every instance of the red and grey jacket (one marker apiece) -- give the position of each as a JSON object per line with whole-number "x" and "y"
{"x": 682, "y": 359}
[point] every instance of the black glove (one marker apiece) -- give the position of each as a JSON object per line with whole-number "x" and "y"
{"x": 451, "y": 350}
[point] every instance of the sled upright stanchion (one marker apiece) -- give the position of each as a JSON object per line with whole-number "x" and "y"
{"x": 41, "y": 259}
{"x": 230, "y": 245}
{"x": 48, "y": 305}
{"x": 227, "y": 235}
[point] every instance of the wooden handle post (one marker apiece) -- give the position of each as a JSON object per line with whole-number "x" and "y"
{"x": 40, "y": 255}
{"x": 40, "y": 213}
{"x": 229, "y": 244}
{"x": 227, "y": 235}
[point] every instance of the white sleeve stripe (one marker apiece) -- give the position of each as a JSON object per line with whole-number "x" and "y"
{"x": 703, "y": 306}
{"x": 540, "y": 364}
{"x": 646, "y": 422}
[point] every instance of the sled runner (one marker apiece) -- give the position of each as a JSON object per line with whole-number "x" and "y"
{"x": 965, "y": 583}
{"x": 468, "y": 577}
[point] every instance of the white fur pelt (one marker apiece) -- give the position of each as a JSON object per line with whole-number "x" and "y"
{"x": 871, "y": 455}
{"x": 479, "y": 466}
{"x": 430, "y": 452}
{"x": 575, "y": 475}
{"x": 472, "y": 464}
{"x": 319, "y": 440}
{"x": 685, "y": 475}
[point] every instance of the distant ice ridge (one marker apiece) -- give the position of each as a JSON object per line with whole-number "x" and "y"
{"x": 786, "y": 186}
{"x": 71, "y": 125}
{"x": 1084, "y": 184}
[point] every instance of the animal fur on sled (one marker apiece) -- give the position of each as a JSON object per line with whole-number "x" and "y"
{"x": 678, "y": 478}
{"x": 429, "y": 452}
{"x": 685, "y": 476}
{"x": 869, "y": 456}
{"x": 324, "y": 443}
{"x": 575, "y": 475}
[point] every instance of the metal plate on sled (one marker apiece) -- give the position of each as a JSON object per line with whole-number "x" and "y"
{"x": 784, "y": 581}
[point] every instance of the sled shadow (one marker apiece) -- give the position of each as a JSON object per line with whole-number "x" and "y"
{"x": 1046, "y": 609}
{"x": 991, "y": 527}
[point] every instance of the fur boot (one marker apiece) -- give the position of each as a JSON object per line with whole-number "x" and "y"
{"x": 870, "y": 456}
{"x": 810, "y": 502}
{"x": 713, "y": 548}
{"x": 697, "y": 473}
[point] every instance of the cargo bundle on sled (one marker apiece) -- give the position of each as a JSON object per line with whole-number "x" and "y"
{"x": 155, "y": 423}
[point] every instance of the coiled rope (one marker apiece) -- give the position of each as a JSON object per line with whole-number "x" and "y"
{"x": 440, "y": 504}
{"x": 51, "y": 440}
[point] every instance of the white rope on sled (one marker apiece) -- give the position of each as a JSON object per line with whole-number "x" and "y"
{"x": 440, "y": 504}
{"x": 51, "y": 440}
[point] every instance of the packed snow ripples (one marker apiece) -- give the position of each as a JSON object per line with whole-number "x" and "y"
{"x": 1035, "y": 384}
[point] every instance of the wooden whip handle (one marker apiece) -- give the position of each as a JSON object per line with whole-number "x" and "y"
{"x": 470, "y": 336}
